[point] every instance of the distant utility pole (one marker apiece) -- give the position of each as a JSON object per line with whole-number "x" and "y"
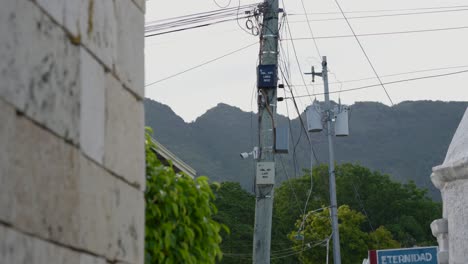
{"x": 341, "y": 129}
{"x": 265, "y": 176}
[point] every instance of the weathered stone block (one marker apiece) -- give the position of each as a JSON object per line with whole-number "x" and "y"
{"x": 112, "y": 215}
{"x": 124, "y": 139}
{"x": 456, "y": 200}
{"x": 98, "y": 28}
{"x": 16, "y": 247}
{"x": 38, "y": 68}
{"x": 53, "y": 192}
{"x": 90, "y": 22}
{"x": 129, "y": 65}
{"x": 7, "y": 130}
{"x": 93, "y": 117}
{"x": 129, "y": 227}
{"x": 41, "y": 184}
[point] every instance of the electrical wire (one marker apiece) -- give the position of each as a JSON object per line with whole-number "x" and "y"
{"x": 365, "y": 53}
{"x": 220, "y": 6}
{"x": 394, "y": 74}
{"x": 200, "y": 65}
{"x": 309, "y": 247}
{"x": 380, "y": 16}
{"x": 295, "y": 165}
{"x": 286, "y": 79}
{"x": 312, "y": 154}
{"x": 299, "y": 115}
{"x": 361, "y": 204}
{"x": 192, "y": 27}
{"x": 386, "y": 83}
{"x": 310, "y": 29}
{"x": 291, "y": 187}
{"x": 387, "y": 10}
{"x": 175, "y": 24}
{"x": 197, "y": 17}
{"x": 382, "y": 33}
{"x": 280, "y": 253}
{"x": 297, "y": 61}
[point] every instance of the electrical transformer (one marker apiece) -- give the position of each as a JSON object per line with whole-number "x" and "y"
{"x": 314, "y": 118}
{"x": 341, "y": 122}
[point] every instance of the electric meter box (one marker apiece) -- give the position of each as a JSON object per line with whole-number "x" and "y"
{"x": 266, "y": 173}
{"x": 282, "y": 140}
{"x": 266, "y": 76}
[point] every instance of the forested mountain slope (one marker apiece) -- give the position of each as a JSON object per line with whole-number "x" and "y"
{"x": 405, "y": 140}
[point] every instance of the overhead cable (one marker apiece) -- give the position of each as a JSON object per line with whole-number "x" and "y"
{"x": 386, "y": 83}
{"x": 175, "y": 24}
{"x": 382, "y": 33}
{"x": 385, "y": 10}
{"x": 382, "y": 15}
{"x": 394, "y": 74}
{"x": 192, "y": 27}
{"x": 364, "y": 52}
{"x": 200, "y": 65}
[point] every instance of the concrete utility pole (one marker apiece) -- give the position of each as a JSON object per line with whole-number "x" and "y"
{"x": 265, "y": 175}
{"x": 329, "y": 115}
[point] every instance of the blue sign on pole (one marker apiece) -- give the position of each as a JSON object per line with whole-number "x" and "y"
{"x": 419, "y": 255}
{"x": 266, "y": 76}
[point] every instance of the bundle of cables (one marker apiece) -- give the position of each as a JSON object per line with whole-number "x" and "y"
{"x": 181, "y": 23}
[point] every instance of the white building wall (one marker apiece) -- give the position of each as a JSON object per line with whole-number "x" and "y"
{"x": 71, "y": 131}
{"x": 452, "y": 179}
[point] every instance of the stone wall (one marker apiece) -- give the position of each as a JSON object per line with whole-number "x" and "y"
{"x": 71, "y": 131}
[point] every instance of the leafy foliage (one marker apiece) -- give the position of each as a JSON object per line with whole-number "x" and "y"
{"x": 403, "y": 209}
{"x": 354, "y": 242}
{"x": 179, "y": 215}
{"x": 376, "y": 213}
{"x": 237, "y": 211}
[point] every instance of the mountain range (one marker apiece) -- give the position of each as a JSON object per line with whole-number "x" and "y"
{"x": 405, "y": 140}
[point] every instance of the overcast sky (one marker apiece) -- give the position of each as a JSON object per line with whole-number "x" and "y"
{"x": 231, "y": 80}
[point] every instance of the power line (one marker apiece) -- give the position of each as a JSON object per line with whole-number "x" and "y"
{"x": 193, "y": 27}
{"x": 200, "y": 65}
{"x": 202, "y": 15}
{"x": 175, "y": 24}
{"x": 300, "y": 117}
{"x": 291, "y": 186}
{"x": 383, "y": 15}
{"x": 363, "y": 51}
{"x": 292, "y": 137}
{"x": 382, "y": 33}
{"x": 220, "y": 6}
{"x": 393, "y": 82}
{"x": 310, "y": 29}
{"x": 395, "y": 74}
{"x": 309, "y": 247}
{"x": 386, "y": 10}
{"x": 297, "y": 60}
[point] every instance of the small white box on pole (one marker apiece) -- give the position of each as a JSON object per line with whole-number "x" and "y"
{"x": 265, "y": 173}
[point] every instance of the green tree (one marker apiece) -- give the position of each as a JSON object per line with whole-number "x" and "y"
{"x": 315, "y": 231}
{"x": 237, "y": 211}
{"x": 404, "y": 209}
{"x": 179, "y": 215}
